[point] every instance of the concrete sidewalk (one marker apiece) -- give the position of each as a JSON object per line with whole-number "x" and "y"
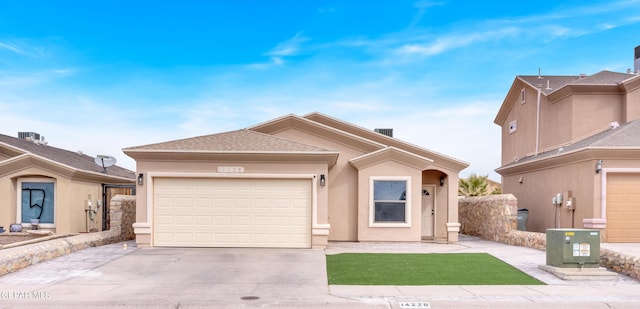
{"x": 125, "y": 276}
{"x": 621, "y": 293}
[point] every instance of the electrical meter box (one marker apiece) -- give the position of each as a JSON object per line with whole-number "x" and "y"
{"x": 573, "y": 248}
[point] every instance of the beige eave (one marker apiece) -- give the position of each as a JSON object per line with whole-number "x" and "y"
{"x": 580, "y": 155}
{"x": 391, "y": 154}
{"x": 328, "y": 157}
{"x": 27, "y": 160}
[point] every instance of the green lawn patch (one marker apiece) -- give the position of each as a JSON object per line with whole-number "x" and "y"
{"x": 423, "y": 269}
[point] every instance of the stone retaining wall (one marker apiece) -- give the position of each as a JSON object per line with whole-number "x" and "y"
{"x": 620, "y": 263}
{"x": 122, "y": 212}
{"x": 494, "y": 217}
{"x": 11, "y": 237}
{"x": 490, "y": 217}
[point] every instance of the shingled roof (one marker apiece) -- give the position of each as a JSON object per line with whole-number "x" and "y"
{"x": 233, "y": 141}
{"x": 617, "y": 137}
{"x": 549, "y": 84}
{"x": 71, "y": 159}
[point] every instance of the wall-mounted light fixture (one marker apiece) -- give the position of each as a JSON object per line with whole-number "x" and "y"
{"x": 323, "y": 180}
{"x": 441, "y": 181}
{"x": 599, "y": 166}
{"x": 140, "y": 179}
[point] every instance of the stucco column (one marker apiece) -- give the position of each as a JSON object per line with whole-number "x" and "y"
{"x": 453, "y": 226}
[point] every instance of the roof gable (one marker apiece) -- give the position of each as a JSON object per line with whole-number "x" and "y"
{"x": 438, "y": 158}
{"x": 391, "y": 154}
{"x": 548, "y": 85}
{"x": 65, "y": 159}
{"x": 317, "y": 128}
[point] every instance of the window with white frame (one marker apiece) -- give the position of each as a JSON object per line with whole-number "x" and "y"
{"x": 389, "y": 205}
{"x": 36, "y": 201}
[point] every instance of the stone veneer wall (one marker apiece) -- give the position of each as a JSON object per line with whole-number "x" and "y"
{"x": 494, "y": 217}
{"x": 8, "y": 238}
{"x": 122, "y": 212}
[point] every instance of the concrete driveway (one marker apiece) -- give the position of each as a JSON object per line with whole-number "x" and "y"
{"x": 112, "y": 276}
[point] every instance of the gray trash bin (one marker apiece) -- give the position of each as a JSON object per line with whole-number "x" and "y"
{"x": 523, "y": 214}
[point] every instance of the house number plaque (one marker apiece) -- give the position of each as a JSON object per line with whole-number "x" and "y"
{"x": 230, "y": 169}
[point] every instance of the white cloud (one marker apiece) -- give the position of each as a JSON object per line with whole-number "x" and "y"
{"x": 290, "y": 47}
{"x": 422, "y": 7}
{"x": 10, "y": 47}
{"x": 453, "y": 41}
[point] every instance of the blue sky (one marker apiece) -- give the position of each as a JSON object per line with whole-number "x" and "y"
{"x": 99, "y": 76}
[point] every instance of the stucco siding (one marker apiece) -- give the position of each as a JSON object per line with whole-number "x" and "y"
{"x": 631, "y": 108}
{"x": 555, "y": 123}
{"x": 592, "y": 113}
{"x": 370, "y": 233}
{"x": 342, "y": 183}
{"x": 538, "y": 188}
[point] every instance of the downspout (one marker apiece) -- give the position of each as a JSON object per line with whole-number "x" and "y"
{"x": 538, "y": 125}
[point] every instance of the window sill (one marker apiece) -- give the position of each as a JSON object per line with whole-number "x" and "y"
{"x": 390, "y": 224}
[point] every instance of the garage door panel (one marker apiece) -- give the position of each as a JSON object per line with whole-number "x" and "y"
{"x": 232, "y": 212}
{"x": 623, "y": 208}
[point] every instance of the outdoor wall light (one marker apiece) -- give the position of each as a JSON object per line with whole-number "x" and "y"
{"x": 323, "y": 180}
{"x": 140, "y": 179}
{"x": 441, "y": 181}
{"x": 599, "y": 166}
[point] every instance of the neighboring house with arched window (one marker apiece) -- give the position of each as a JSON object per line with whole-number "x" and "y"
{"x": 55, "y": 186}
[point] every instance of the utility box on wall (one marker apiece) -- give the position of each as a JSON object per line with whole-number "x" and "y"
{"x": 573, "y": 248}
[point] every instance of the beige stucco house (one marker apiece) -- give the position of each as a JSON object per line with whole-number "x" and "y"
{"x": 295, "y": 181}
{"x": 571, "y": 152}
{"x": 55, "y": 186}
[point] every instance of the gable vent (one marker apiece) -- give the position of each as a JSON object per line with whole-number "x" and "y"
{"x": 387, "y": 132}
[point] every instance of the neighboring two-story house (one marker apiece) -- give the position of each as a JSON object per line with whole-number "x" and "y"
{"x": 571, "y": 151}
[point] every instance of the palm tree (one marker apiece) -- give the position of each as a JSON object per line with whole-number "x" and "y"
{"x": 473, "y": 186}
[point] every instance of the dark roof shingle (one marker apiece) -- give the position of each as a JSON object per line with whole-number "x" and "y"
{"x": 549, "y": 84}
{"x": 72, "y": 159}
{"x": 233, "y": 141}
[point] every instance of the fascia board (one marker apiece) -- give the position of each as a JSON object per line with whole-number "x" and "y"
{"x": 579, "y": 155}
{"x": 391, "y": 153}
{"x": 63, "y": 169}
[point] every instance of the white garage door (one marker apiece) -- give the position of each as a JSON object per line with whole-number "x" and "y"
{"x": 623, "y": 208}
{"x": 206, "y": 212}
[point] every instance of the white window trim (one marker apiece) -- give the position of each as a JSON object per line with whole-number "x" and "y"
{"x": 19, "y": 201}
{"x": 523, "y": 96}
{"x": 407, "y": 209}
